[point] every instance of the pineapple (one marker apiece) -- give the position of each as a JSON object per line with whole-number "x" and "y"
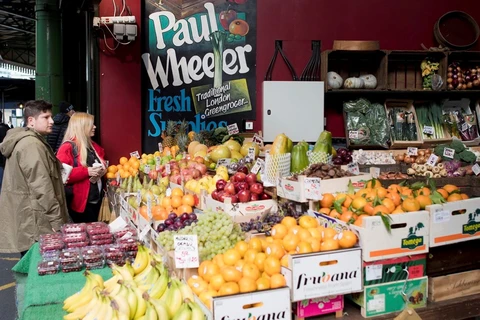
{"x": 182, "y": 142}
{"x": 206, "y": 138}
{"x": 169, "y": 134}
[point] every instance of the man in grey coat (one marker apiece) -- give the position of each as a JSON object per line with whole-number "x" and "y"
{"x": 32, "y": 201}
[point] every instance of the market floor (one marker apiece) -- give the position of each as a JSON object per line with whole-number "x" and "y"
{"x": 7, "y": 286}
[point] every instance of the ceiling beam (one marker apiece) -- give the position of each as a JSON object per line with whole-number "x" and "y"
{"x": 16, "y": 29}
{"x": 17, "y": 15}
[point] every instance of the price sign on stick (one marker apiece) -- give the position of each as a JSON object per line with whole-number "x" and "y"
{"x": 186, "y": 251}
{"x": 428, "y": 130}
{"x": 312, "y": 188}
{"x": 223, "y": 162}
{"x": 258, "y": 166}
{"x": 432, "y": 160}
{"x": 353, "y": 168}
{"x": 251, "y": 153}
{"x": 233, "y": 128}
{"x": 448, "y": 153}
{"x": 476, "y": 169}
{"x": 135, "y": 154}
{"x": 412, "y": 151}
{"x": 258, "y": 139}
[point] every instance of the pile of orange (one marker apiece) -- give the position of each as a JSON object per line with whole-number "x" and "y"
{"x": 255, "y": 264}
{"x": 177, "y": 202}
{"x": 126, "y": 168}
{"x": 374, "y": 199}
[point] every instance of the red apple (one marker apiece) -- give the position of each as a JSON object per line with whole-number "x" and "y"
{"x": 242, "y": 186}
{"x": 254, "y": 197}
{"x": 221, "y": 196}
{"x": 233, "y": 198}
{"x": 230, "y": 188}
{"x": 251, "y": 178}
{"x": 226, "y": 17}
{"x": 220, "y": 185}
{"x": 244, "y": 196}
{"x": 239, "y": 176}
{"x": 243, "y": 169}
{"x": 215, "y": 194}
{"x": 265, "y": 196}
{"x": 256, "y": 188}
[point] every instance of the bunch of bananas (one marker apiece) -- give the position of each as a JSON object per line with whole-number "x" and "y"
{"x": 142, "y": 290}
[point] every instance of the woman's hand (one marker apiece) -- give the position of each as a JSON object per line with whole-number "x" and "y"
{"x": 95, "y": 171}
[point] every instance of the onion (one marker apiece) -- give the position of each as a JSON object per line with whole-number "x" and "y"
{"x": 421, "y": 152}
{"x": 401, "y": 157}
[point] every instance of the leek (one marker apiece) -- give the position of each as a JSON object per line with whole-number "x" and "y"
{"x": 218, "y": 39}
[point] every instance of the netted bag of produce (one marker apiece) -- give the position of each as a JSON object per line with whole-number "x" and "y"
{"x": 319, "y": 157}
{"x": 277, "y": 166}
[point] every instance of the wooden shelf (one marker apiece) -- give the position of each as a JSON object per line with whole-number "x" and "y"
{"x": 456, "y": 309}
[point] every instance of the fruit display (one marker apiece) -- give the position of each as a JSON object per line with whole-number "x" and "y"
{"x": 241, "y": 188}
{"x": 175, "y": 223}
{"x": 429, "y": 69}
{"x": 421, "y": 158}
{"x": 459, "y": 78}
{"x": 344, "y": 156}
{"x": 446, "y": 169}
{"x": 177, "y": 203}
{"x": 323, "y": 171}
{"x": 226, "y": 234}
{"x": 372, "y": 157}
{"x": 460, "y": 152}
{"x": 392, "y": 175}
{"x": 141, "y": 290}
{"x": 185, "y": 170}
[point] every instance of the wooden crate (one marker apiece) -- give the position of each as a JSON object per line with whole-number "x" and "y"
{"x": 404, "y": 73}
{"x": 467, "y": 59}
{"x": 408, "y": 106}
{"x": 457, "y": 257}
{"x": 454, "y": 286}
{"x": 354, "y": 64}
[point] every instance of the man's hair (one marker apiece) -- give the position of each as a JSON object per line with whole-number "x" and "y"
{"x": 34, "y": 108}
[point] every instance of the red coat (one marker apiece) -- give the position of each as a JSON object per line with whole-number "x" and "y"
{"x": 79, "y": 177}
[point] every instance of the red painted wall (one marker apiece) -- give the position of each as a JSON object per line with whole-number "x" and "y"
{"x": 396, "y": 24}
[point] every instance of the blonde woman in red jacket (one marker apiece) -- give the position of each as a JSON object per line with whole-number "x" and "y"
{"x": 85, "y": 180}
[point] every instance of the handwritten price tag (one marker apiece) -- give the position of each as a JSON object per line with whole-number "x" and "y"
{"x": 353, "y": 168}
{"x": 412, "y": 151}
{"x": 186, "y": 251}
{"x": 448, "y": 153}
{"x": 258, "y": 139}
{"x": 353, "y": 134}
{"x": 251, "y": 153}
{"x": 428, "y": 130}
{"x": 233, "y": 128}
{"x": 375, "y": 172}
{"x": 160, "y": 147}
{"x": 312, "y": 188}
{"x": 432, "y": 160}
{"x": 147, "y": 169}
{"x": 476, "y": 169}
{"x": 464, "y": 127}
{"x": 258, "y": 166}
{"x": 135, "y": 154}
{"x": 223, "y": 162}
{"x": 167, "y": 168}
{"x": 158, "y": 162}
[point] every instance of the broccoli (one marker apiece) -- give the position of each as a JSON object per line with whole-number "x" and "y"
{"x": 467, "y": 156}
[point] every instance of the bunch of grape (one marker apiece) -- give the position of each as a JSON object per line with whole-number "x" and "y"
{"x": 216, "y": 233}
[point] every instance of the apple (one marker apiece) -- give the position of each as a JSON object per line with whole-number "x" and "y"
{"x": 233, "y": 198}
{"x": 242, "y": 186}
{"x": 215, "y": 194}
{"x": 254, "y": 197}
{"x": 265, "y": 196}
{"x": 239, "y": 176}
{"x": 220, "y": 185}
{"x": 243, "y": 169}
{"x": 221, "y": 196}
{"x": 153, "y": 175}
{"x": 230, "y": 188}
{"x": 251, "y": 178}
{"x": 256, "y": 188}
{"x": 244, "y": 196}
{"x": 226, "y": 17}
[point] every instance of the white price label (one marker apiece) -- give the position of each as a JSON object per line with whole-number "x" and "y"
{"x": 428, "y": 130}
{"x": 90, "y": 251}
{"x": 312, "y": 188}
{"x": 377, "y": 304}
{"x": 374, "y": 272}
{"x": 476, "y": 169}
{"x": 160, "y": 147}
{"x": 441, "y": 216}
{"x": 233, "y": 128}
{"x": 158, "y": 162}
{"x": 353, "y": 134}
{"x": 258, "y": 166}
{"x": 448, "y": 153}
{"x": 223, "y": 162}
{"x": 147, "y": 169}
{"x": 258, "y": 139}
{"x": 412, "y": 151}
{"x": 67, "y": 254}
{"x": 50, "y": 263}
{"x": 186, "y": 251}
{"x": 375, "y": 172}
{"x": 135, "y": 154}
{"x": 167, "y": 168}
{"x": 432, "y": 160}
{"x": 251, "y": 153}
{"x": 139, "y": 197}
{"x": 353, "y": 168}
{"x": 464, "y": 127}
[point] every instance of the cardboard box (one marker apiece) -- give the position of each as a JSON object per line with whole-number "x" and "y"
{"x": 454, "y": 286}
{"x": 392, "y": 270}
{"x": 323, "y": 274}
{"x": 319, "y": 306}
{"x": 408, "y": 235}
{"x": 266, "y": 304}
{"x": 295, "y": 190}
{"x": 387, "y": 298}
{"x": 242, "y": 212}
{"x": 454, "y": 222}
